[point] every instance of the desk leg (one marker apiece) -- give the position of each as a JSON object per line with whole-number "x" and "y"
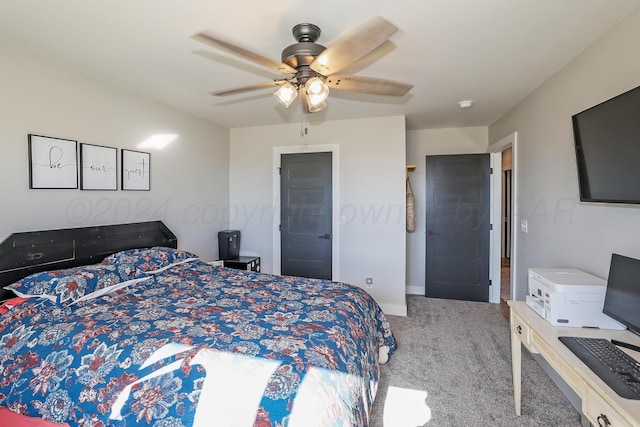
{"x": 584, "y": 421}
{"x": 516, "y": 370}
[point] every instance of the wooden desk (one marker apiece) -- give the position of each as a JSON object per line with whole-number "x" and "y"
{"x": 600, "y": 404}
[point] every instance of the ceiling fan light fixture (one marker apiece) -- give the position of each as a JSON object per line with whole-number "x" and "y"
{"x": 317, "y": 91}
{"x": 314, "y": 108}
{"x": 310, "y": 64}
{"x": 286, "y": 94}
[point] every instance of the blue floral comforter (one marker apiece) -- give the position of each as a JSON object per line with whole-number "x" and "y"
{"x": 196, "y": 345}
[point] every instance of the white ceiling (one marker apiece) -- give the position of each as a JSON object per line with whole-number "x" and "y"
{"x": 491, "y": 51}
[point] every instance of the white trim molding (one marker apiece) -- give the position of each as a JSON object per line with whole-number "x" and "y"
{"x": 496, "y": 150}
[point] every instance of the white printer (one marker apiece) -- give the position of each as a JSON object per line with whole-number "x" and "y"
{"x": 569, "y": 297}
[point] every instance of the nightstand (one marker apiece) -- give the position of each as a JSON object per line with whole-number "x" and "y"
{"x": 249, "y": 263}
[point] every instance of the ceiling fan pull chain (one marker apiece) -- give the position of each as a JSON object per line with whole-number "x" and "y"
{"x": 303, "y": 125}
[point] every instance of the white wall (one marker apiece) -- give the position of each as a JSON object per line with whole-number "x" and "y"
{"x": 563, "y": 232}
{"x": 189, "y": 178}
{"x": 372, "y": 171}
{"x": 421, "y": 143}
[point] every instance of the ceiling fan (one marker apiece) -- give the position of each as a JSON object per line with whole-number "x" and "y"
{"x": 312, "y": 67}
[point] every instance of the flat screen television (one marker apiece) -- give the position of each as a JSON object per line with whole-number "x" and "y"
{"x": 607, "y": 144}
{"x": 622, "y": 296}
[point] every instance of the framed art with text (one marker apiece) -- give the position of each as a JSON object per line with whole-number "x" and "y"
{"x": 98, "y": 167}
{"x": 136, "y": 170}
{"x": 53, "y": 162}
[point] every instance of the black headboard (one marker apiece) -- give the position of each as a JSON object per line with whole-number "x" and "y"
{"x": 22, "y": 254}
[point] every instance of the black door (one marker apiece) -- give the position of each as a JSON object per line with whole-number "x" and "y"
{"x": 457, "y": 224}
{"x": 305, "y": 215}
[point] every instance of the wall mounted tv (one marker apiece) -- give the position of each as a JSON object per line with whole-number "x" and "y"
{"x": 607, "y": 142}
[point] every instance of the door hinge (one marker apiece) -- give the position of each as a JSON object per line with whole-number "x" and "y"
{"x": 490, "y": 283}
{"x": 279, "y": 227}
{"x": 490, "y": 226}
{"x": 279, "y": 171}
{"x": 490, "y": 171}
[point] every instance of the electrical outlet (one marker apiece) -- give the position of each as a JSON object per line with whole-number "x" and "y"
{"x": 524, "y": 226}
{"x": 369, "y": 282}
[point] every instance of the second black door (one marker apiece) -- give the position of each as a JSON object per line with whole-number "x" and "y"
{"x": 457, "y": 224}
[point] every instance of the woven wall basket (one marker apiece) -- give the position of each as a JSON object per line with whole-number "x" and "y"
{"x": 411, "y": 208}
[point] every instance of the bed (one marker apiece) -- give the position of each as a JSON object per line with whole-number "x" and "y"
{"x": 152, "y": 335}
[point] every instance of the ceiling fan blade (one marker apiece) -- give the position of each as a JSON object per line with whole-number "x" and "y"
{"x": 368, "y": 85}
{"x": 210, "y": 39}
{"x": 353, "y": 45}
{"x": 249, "y": 88}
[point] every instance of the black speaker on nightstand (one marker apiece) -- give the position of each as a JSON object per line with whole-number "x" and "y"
{"x": 229, "y": 244}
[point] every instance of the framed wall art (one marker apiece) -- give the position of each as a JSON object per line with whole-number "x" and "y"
{"x": 98, "y": 167}
{"x": 136, "y": 170}
{"x": 53, "y": 162}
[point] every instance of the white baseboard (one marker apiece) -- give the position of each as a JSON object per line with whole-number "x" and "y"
{"x": 394, "y": 309}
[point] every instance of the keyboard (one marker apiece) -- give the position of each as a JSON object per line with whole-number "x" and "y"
{"x": 616, "y": 368}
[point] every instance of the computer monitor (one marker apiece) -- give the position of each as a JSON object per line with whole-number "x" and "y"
{"x": 622, "y": 297}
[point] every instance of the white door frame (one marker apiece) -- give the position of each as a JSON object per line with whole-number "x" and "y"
{"x": 496, "y": 150}
{"x": 334, "y": 149}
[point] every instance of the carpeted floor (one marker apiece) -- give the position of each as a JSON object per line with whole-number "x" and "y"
{"x": 453, "y": 368}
